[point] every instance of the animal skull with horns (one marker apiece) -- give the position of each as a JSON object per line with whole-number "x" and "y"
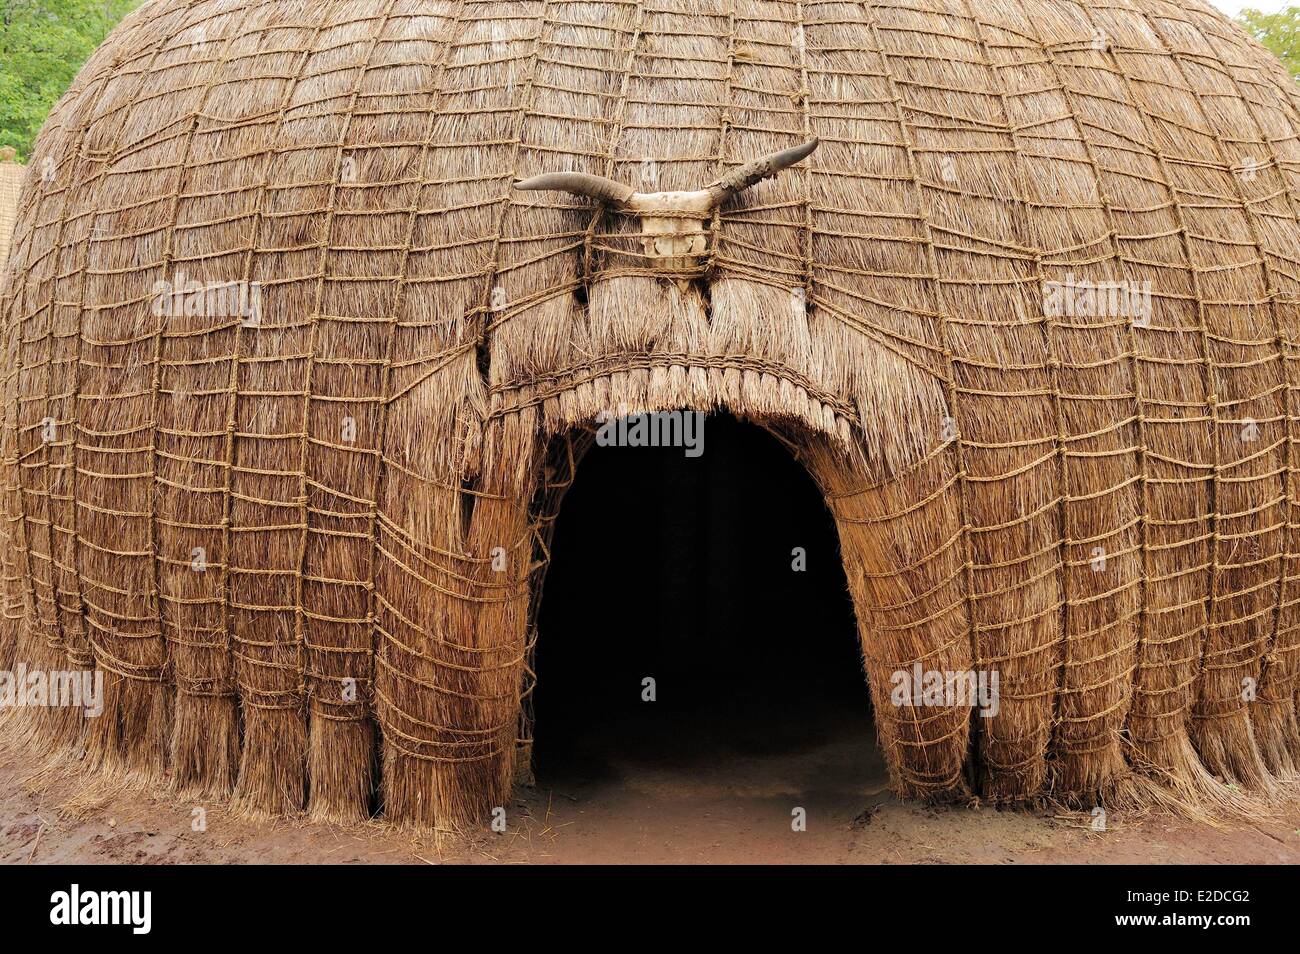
{"x": 672, "y": 223}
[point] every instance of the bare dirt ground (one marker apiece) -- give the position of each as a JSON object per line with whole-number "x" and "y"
{"x": 699, "y": 806}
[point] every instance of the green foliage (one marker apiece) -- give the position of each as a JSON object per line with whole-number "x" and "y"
{"x": 1280, "y": 32}
{"x": 43, "y": 44}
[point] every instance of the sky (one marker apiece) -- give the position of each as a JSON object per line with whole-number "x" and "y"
{"x": 1233, "y": 7}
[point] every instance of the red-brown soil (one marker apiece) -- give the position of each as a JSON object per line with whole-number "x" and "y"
{"x": 699, "y": 806}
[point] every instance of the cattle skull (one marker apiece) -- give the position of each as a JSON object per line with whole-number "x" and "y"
{"x": 672, "y": 223}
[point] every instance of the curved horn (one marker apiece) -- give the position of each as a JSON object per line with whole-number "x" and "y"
{"x": 579, "y": 183}
{"x": 742, "y": 177}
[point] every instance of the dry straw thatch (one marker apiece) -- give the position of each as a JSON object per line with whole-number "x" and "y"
{"x": 11, "y": 181}
{"x": 234, "y": 520}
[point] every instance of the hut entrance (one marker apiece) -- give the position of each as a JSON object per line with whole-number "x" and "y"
{"x": 719, "y": 578}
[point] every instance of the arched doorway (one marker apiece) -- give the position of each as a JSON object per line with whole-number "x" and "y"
{"x": 718, "y": 577}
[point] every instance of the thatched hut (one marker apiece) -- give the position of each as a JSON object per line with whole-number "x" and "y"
{"x": 298, "y": 378}
{"x": 11, "y": 180}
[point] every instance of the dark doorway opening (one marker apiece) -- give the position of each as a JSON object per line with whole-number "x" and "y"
{"x": 681, "y": 570}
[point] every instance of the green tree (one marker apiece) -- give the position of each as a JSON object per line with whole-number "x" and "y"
{"x": 1280, "y": 32}
{"x": 43, "y": 44}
